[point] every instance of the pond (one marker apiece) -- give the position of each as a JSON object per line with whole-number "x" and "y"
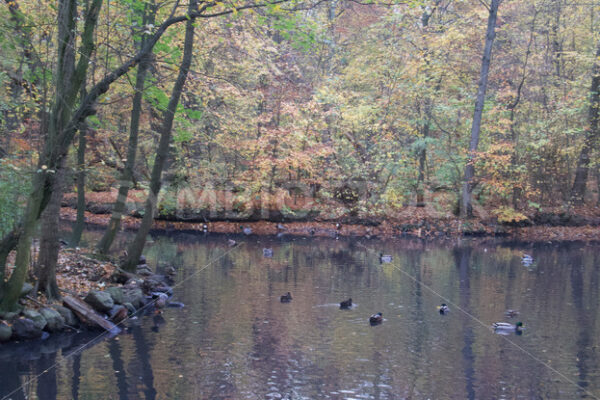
{"x": 236, "y": 340}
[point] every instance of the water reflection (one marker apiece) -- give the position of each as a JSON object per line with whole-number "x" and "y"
{"x": 235, "y": 339}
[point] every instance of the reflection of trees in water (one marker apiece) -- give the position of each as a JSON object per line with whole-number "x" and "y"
{"x": 462, "y": 257}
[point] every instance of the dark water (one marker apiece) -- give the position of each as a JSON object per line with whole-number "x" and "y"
{"x": 236, "y": 340}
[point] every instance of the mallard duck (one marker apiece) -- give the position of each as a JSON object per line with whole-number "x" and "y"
{"x": 338, "y": 226}
{"x": 346, "y": 304}
{"x": 376, "y": 318}
{"x": 511, "y": 313}
{"x": 246, "y": 230}
{"x": 506, "y": 327}
{"x": 443, "y": 308}
{"x": 527, "y": 260}
{"x": 384, "y": 258}
{"x": 267, "y": 252}
{"x": 231, "y": 242}
{"x": 286, "y": 298}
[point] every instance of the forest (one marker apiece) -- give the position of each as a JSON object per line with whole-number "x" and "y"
{"x": 290, "y": 110}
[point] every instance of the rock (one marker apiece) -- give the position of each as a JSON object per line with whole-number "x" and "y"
{"x": 144, "y": 270}
{"x": 55, "y": 321}
{"x": 134, "y": 296}
{"x": 5, "y": 331}
{"x": 26, "y": 289}
{"x": 24, "y": 328}
{"x": 130, "y": 308}
{"x": 8, "y": 315}
{"x": 36, "y": 317}
{"x": 100, "y": 301}
{"x": 67, "y": 315}
{"x": 118, "y": 313}
{"x": 116, "y": 293}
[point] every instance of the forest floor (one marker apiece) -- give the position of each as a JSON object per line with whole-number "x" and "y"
{"x": 551, "y": 224}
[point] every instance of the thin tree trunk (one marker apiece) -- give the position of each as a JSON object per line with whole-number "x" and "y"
{"x": 80, "y": 221}
{"x": 127, "y": 176}
{"x": 49, "y": 244}
{"x": 467, "y": 208}
{"x": 591, "y": 137}
{"x": 137, "y": 246}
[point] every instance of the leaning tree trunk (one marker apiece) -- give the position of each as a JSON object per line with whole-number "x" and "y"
{"x": 591, "y": 137}
{"x": 137, "y": 246}
{"x": 49, "y": 244}
{"x": 467, "y": 208}
{"x": 127, "y": 176}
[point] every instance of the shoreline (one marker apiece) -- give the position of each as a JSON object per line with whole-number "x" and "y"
{"x": 421, "y": 226}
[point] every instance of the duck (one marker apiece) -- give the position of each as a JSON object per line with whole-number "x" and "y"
{"x": 384, "y": 258}
{"x": 443, "y": 308}
{"x": 286, "y": 298}
{"x": 511, "y": 313}
{"x": 204, "y": 228}
{"x": 506, "y": 327}
{"x": 338, "y": 226}
{"x": 376, "y": 318}
{"x": 267, "y": 252}
{"x": 344, "y": 305}
{"x": 281, "y": 227}
{"x": 527, "y": 260}
{"x": 231, "y": 242}
{"x": 246, "y": 230}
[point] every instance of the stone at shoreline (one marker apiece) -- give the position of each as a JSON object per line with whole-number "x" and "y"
{"x": 5, "y": 331}
{"x": 36, "y": 317}
{"x": 156, "y": 283}
{"x": 116, "y": 293}
{"x": 134, "y": 296}
{"x": 118, "y": 313}
{"x": 144, "y": 270}
{"x": 24, "y": 328}
{"x": 100, "y": 301}
{"x": 67, "y": 315}
{"x": 26, "y": 289}
{"x": 8, "y": 315}
{"x": 130, "y": 308}
{"x": 55, "y": 321}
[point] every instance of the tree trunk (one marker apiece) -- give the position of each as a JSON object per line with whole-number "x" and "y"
{"x": 467, "y": 208}
{"x": 68, "y": 82}
{"x": 127, "y": 176}
{"x": 49, "y": 244}
{"x": 591, "y": 137}
{"x": 137, "y": 246}
{"x": 80, "y": 221}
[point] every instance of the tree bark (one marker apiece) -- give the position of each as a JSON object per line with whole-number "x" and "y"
{"x": 80, "y": 221}
{"x": 591, "y": 137}
{"x": 127, "y": 176}
{"x": 467, "y": 208}
{"x": 137, "y": 246}
{"x": 49, "y": 244}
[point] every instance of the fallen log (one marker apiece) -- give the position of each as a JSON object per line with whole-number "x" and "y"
{"x": 88, "y": 315}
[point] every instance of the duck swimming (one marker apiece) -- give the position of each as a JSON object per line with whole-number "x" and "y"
{"x": 286, "y": 298}
{"x": 267, "y": 252}
{"x": 376, "y": 318}
{"x": 384, "y": 258}
{"x": 443, "y": 308}
{"x": 344, "y": 305}
{"x": 506, "y": 327}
